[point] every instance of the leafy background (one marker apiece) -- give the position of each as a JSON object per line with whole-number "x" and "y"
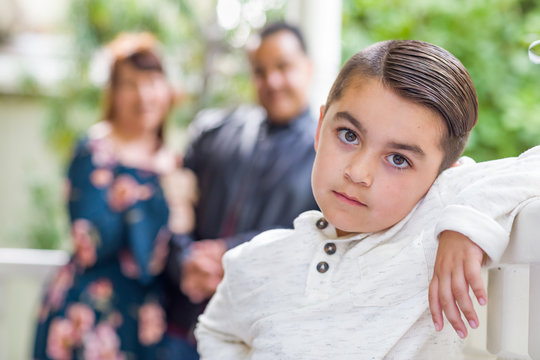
{"x": 490, "y": 37}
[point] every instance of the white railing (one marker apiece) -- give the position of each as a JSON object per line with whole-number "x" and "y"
{"x": 22, "y": 275}
{"x": 514, "y": 292}
{"x": 511, "y": 325}
{"x": 30, "y": 262}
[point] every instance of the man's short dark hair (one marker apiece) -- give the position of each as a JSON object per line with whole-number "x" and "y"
{"x": 276, "y": 27}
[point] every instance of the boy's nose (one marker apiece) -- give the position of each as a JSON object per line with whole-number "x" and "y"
{"x": 360, "y": 170}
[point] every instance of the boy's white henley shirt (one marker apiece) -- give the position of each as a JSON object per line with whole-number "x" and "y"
{"x": 304, "y": 293}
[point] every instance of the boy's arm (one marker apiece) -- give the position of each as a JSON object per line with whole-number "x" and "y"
{"x": 485, "y": 200}
{"x": 219, "y": 331}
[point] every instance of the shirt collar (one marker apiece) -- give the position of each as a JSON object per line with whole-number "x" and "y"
{"x": 310, "y": 218}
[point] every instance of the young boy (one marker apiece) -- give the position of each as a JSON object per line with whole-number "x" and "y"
{"x": 352, "y": 282}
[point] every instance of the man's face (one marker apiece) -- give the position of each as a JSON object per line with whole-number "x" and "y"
{"x": 281, "y": 73}
{"x": 377, "y": 156}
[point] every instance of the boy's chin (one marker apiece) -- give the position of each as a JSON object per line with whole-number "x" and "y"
{"x": 346, "y": 229}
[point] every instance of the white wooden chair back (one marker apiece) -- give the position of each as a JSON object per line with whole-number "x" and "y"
{"x": 513, "y": 310}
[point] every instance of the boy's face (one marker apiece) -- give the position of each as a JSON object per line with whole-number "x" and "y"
{"x": 377, "y": 156}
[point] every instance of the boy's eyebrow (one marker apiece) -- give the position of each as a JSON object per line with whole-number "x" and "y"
{"x": 399, "y": 146}
{"x": 347, "y": 116}
{"x": 413, "y": 148}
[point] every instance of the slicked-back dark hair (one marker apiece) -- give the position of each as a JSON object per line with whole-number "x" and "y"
{"x": 424, "y": 74}
{"x": 276, "y": 27}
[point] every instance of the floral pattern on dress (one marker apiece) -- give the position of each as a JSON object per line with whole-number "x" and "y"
{"x": 103, "y": 344}
{"x": 152, "y": 323}
{"x": 106, "y": 303}
{"x": 60, "y": 342}
{"x": 85, "y": 240}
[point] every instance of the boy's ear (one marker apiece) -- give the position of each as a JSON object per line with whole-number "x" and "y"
{"x": 321, "y": 112}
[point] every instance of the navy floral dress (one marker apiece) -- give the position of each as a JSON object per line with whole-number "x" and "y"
{"x": 106, "y": 303}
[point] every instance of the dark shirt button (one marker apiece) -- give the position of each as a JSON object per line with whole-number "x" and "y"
{"x": 322, "y": 267}
{"x": 330, "y": 248}
{"x": 321, "y": 223}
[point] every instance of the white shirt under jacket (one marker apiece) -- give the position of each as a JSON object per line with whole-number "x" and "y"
{"x": 372, "y": 302}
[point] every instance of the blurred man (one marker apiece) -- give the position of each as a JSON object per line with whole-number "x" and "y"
{"x": 253, "y": 165}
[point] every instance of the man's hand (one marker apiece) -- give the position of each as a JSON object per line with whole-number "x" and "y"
{"x": 202, "y": 270}
{"x": 457, "y": 267}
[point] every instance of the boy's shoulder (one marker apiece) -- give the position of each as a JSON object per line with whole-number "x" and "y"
{"x": 256, "y": 263}
{"x": 270, "y": 259}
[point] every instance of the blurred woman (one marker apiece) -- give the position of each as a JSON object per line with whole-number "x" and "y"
{"x": 106, "y": 303}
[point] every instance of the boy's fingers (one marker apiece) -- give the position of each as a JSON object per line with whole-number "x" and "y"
{"x": 449, "y": 307}
{"x": 473, "y": 278}
{"x": 473, "y": 274}
{"x": 454, "y": 317}
{"x": 460, "y": 289}
{"x": 466, "y": 306}
{"x": 434, "y": 304}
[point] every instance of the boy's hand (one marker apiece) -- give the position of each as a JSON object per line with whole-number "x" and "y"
{"x": 457, "y": 266}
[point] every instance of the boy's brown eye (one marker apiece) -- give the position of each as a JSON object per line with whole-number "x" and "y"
{"x": 398, "y": 159}
{"x": 350, "y": 136}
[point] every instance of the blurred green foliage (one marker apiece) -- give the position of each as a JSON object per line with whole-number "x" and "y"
{"x": 49, "y": 227}
{"x": 489, "y": 37}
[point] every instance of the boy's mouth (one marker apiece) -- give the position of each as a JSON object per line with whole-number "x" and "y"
{"x": 348, "y": 199}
